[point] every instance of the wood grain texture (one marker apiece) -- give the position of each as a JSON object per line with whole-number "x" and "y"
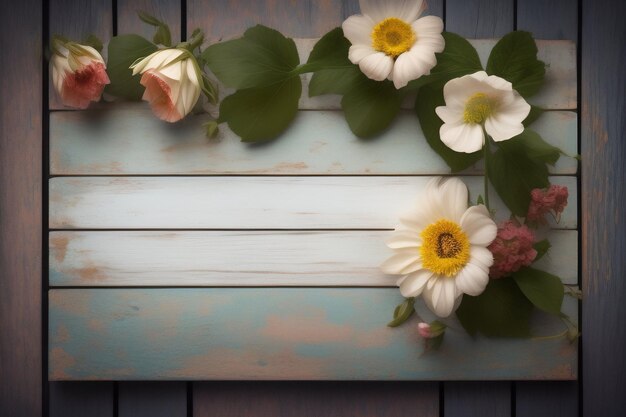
{"x": 279, "y": 333}
{"x": 477, "y": 399}
{"x": 167, "y": 11}
{"x": 80, "y": 399}
{"x": 603, "y": 207}
{"x": 314, "y": 399}
{"x": 546, "y": 399}
{"x": 21, "y": 209}
{"x": 225, "y": 202}
{"x": 152, "y": 399}
{"x": 77, "y": 19}
{"x": 318, "y": 143}
{"x": 479, "y": 18}
{"x": 246, "y": 258}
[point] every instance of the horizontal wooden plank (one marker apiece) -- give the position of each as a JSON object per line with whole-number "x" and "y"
{"x": 278, "y": 333}
{"x": 128, "y": 139}
{"x": 249, "y": 202}
{"x": 246, "y": 258}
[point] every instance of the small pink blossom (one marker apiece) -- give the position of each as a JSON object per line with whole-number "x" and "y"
{"x": 432, "y": 330}
{"x": 512, "y": 249}
{"x": 424, "y": 330}
{"x": 552, "y": 200}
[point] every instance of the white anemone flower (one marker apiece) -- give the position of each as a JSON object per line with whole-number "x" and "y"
{"x": 390, "y": 40}
{"x": 441, "y": 247}
{"x": 477, "y": 103}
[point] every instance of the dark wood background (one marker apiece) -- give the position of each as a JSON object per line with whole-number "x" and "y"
{"x": 597, "y": 26}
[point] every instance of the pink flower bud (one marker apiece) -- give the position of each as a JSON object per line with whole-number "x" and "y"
{"x": 432, "y": 330}
{"x": 552, "y": 200}
{"x": 511, "y": 249}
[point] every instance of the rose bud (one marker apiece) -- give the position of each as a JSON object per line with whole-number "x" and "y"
{"x": 172, "y": 80}
{"x": 78, "y": 73}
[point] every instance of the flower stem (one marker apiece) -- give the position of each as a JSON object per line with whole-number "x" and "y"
{"x": 486, "y": 184}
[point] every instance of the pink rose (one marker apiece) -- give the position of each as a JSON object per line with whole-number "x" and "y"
{"x": 511, "y": 249}
{"x": 552, "y": 200}
{"x": 78, "y": 74}
{"x": 172, "y": 81}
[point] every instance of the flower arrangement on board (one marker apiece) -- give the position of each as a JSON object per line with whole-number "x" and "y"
{"x": 448, "y": 251}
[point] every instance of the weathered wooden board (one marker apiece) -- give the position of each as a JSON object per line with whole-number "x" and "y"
{"x": 79, "y": 399}
{"x": 152, "y": 399}
{"x": 278, "y": 333}
{"x": 89, "y": 143}
{"x": 226, "y": 202}
{"x": 245, "y": 258}
{"x": 167, "y": 11}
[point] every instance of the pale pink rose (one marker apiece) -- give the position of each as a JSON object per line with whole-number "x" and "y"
{"x": 172, "y": 83}
{"x": 552, "y": 200}
{"x": 511, "y": 249}
{"x": 78, "y": 74}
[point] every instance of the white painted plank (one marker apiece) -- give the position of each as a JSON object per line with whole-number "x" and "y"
{"x": 248, "y": 202}
{"x": 318, "y": 143}
{"x": 245, "y": 258}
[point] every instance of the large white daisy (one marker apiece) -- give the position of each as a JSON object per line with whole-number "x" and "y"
{"x": 476, "y": 103}
{"x": 389, "y": 40}
{"x": 441, "y": 247}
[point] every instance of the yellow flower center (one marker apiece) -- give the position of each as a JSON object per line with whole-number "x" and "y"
{"x": 477, "y": 108}
{"x": 445, "y": 248}
{"x": 393, "y": 37}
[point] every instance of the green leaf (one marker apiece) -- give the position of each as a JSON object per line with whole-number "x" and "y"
{"x": 544, "y": 290}
{"x": 542, "y": 247}
{"x": 502, "y": 310}
{"x": 514, "y": 58}
{"x": 535, "y": 113}
{"x": 163, "y": 35}
{"x": 371, "y": 106}
{"x": 458, "y": 58}
{"x": 402, "y": 312}
{"x": 530, "y": 143}
{"x": 514, "y": 171}
{"x": 428, "y": 98}
{"x": 123, "y": 51}
{"x": 261, "y": 58}
{"x": 261, "y": 114}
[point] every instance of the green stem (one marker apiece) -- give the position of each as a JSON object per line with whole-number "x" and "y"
{"x": 487, "y": 152}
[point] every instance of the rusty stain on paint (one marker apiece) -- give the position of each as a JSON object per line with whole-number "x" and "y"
{"x": 60, "y": 364}
{"x": 58, "y": 245}
{"x": 90, "y": 273}
{"x": 96, "y": 325}
{"x": 61, "y": 335}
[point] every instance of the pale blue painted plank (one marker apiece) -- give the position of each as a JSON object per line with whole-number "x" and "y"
{"x": 279, "y": 333}
{"x": 319, "y": 142}
{"x": 250, "y": 202}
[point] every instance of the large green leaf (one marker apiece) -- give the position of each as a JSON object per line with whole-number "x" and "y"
{"x": 123, "y": 51}
{"x": 544, "y": 290}
{"x": 542, "y": 247}
{"x": 261, "y": 114}
{"x": 501, "y": 310}
{"x": 531, "y": 144}
{"x": 371, "y": 106}
{"x": 402, "y": 312}
{"x": 514, "y": 58}
{"x": 458, "y": 58}
{"x": 516, "y": 168}
{"x": 262, "y": 57}
{"x": 428, "y": 98}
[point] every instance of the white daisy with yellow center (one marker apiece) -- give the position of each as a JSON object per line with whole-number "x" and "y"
{"x": 390, "y": 40}
{"x": 441, "y": 247}
{"x": 477, "y": 103}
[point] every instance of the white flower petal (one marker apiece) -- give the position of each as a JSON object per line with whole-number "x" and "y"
{"x": 406, "y": 10}
{"x": 500, "y": 129}
{"x": 358, "y": 30}
{"x": 403, "y": 260}
{"x": 413, "y": 284}
{"x": 481, "y": 257}
{"x": 462, "y": 137}
{"x": 497, "y": 82}
{"x": 357, "y": 52}
{"x": 449, "y": 116}
{"x": 457, "y": 91}
{"x": 479, "y": 226}
{"x": 404, "y": 239}
{"x": 429, "y": 25}
{"x": 376, "y": 66}
{"x": 441, "y": 297}
{"x": 453, "y": 197}
{"x": 472, "y": 279}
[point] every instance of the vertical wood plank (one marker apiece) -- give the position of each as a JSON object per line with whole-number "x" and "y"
{"x": 167, "y": 11}
{"x": 21, "y": 208}
{"x": 313, "y": 399}
{"x": 77, "y": 19}
{"x": 479, "y": 18}
{"x": 546, "y": 399}
{"x": 603, "y": 150}
{"x": 152, "y": 399}
{"x": 477, "y": 399}
{"x": 557, "y": 19}
{"x": 78, "y": 399}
